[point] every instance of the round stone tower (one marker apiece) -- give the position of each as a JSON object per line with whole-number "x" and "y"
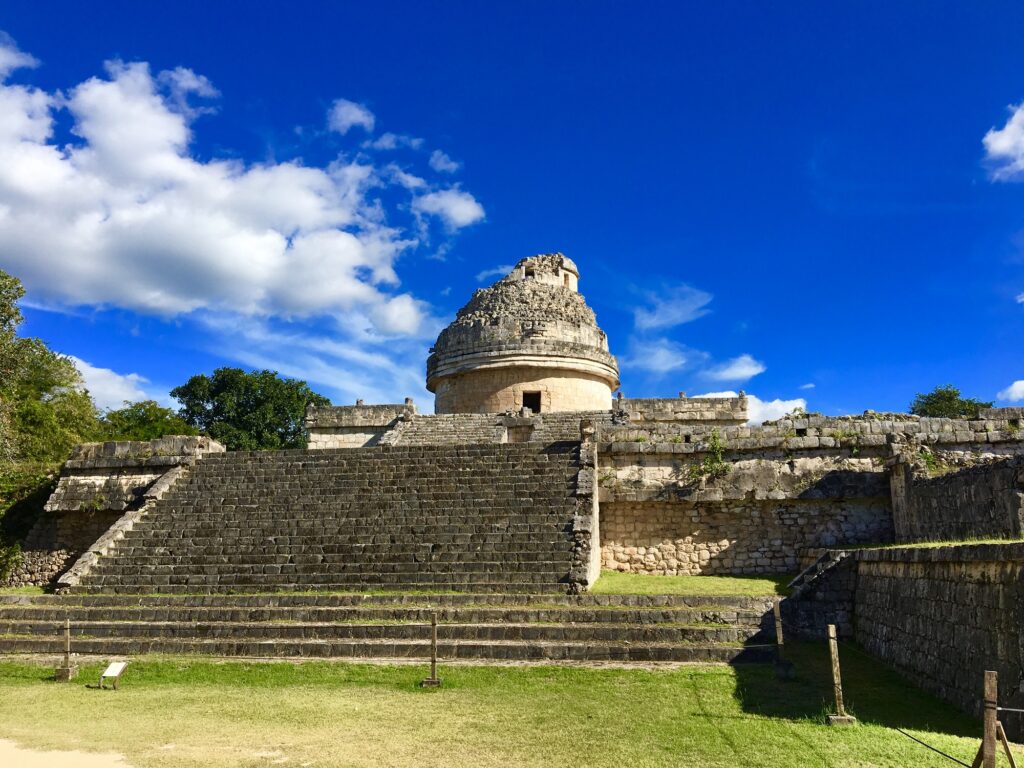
{"x": 528, "y": 341}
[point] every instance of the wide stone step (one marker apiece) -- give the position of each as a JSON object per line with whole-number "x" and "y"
{"x": 505, "y": 631}
{"x": 360, "y": 599}
{"x": 76, "y": 613}
{"x": 553, "y": 651}
{"x": 552, "y": 587}
{"x": 316, "y": 565}
{"x": 279, "y": 553}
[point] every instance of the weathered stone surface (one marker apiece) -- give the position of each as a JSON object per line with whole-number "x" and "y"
{"x": 944, "y": 615}
{"x": 529, "y": 332}
{"x": 983, "y": 501}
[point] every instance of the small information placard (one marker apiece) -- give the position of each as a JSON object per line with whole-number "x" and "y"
{"x": 113, "y": 672}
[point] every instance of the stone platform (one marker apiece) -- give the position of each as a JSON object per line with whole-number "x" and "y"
{"x": 479, "y": 627}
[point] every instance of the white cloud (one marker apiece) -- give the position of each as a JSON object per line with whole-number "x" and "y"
{"x": 1020, "y": 298}
{"x": 345, "y": 115}
{"x": 387, "y": 141}
{"x": 760, "y": 411}
{"x": 108, "y": 388}
{"x": 661, "y": 356}
{"x": 277, "y": 264}
{"x": 738, "y": 369}
{"x": 809, "y": 385}
{"x": 125, "y": 216}
{"x": 1004, "y": 147}
{"x": 671, "y": 307}
{"x": 456, "y": 208}
{"x": 499, "y": 271}
{"x": 11, "y": 58}
{"x": 1013, "y": 393}
{"x": 439, "y": 161}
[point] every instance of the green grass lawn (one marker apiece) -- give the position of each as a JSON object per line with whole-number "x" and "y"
{"x": 188, "y": 712}
{"x": 618, "y": 583}
{"x": 21, "y": 591}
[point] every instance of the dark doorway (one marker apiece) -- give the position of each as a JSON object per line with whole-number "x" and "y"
{"x": 531, "y": 400}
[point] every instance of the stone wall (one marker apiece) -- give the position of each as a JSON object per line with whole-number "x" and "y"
{"x": 693, "y": 498}
{"x": 712, "y": 411}
{"x": 737, "y": 537}
{"x": 98, "y": 484}
{"x": 354, "y": 426}
{"x": 983, "y": 501}
{"x": 944, "y": 615}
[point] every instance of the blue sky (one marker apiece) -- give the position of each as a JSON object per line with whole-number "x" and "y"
{"x": 801, "y": 200}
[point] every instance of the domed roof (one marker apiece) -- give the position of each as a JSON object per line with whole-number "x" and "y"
{"x": 532, "y": 316}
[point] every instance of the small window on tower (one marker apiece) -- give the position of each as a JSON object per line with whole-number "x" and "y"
{"x": 565, "y": 279}
{"x": 531, "y": 400}
{"x": 530, "y": 273}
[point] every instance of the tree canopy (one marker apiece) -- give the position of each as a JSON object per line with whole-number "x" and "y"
{"x": 248, "y": 411}
{"x": 44, "y": 410}
{"x": 945, "y": 401}
{"x": 144, "y": 420}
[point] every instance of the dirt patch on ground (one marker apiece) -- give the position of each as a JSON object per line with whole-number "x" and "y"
{"x": 17, "y": 757}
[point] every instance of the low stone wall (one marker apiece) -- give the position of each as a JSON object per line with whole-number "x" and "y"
{"x": 353, "y": 426}
{"x": 711, "y": 411}
{"x": 984, "y": 501}
{"x": 944, "y": 615}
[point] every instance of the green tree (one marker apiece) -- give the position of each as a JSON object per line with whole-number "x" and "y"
{"x": 946, "y": 402}
{"x": 144, "y": 420}
{"x": 248, "y": 411}
{"x": 44, "y": 412}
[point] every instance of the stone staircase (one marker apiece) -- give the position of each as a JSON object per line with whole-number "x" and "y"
{"x": 450, "y": 518}
{"x": 480, "y": 627}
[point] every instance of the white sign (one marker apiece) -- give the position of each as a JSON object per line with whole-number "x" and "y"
{"x": 115, "y": 669}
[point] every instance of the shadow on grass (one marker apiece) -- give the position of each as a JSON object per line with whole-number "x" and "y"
{"x": 873, "y": 692}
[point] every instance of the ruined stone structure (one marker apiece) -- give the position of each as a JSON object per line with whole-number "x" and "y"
{"x": 528, "y": 341}
{"x": 529, "y": 478}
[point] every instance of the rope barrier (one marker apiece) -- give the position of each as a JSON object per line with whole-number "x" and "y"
{"x": 865, "y": 654}
{"x": 933, "y": 749}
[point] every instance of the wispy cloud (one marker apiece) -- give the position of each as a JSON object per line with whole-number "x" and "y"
{"x": 809, "y": 385}
{"x": 387, "y": 141}
{"x": 760, "y": 411}
{"x": 670, "y": 307}
{"x": 738, "y": 369}
{"x": 439, "y": 161}
{"x": 661, "y": 356}
{"x": 345, "y": 115}
{"x": 110, "y": 389}
{"x": 1004, "y": 147}
{"x": 499, "y": 271}
{"x": 1013, "y": 393}
{"x": 455, "y": 207}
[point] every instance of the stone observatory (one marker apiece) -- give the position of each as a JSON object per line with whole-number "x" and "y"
{"x": 527, "y": 342}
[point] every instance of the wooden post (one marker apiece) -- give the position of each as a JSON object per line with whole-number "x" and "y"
{"x": 840, "y": 717}
{"x": 783, "y": 668}
{"x": 988, "y": 739}
{"x": 780, "y": 644}
{"x": 433, "y": 681}
{"x": 67, "y": 672}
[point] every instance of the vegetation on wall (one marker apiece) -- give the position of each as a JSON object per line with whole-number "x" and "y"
{"x": 946, "y": 402}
